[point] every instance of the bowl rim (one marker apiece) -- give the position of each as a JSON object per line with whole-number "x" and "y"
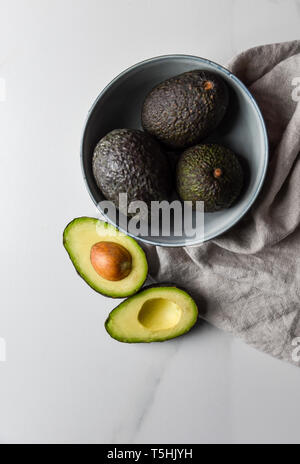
{"x": 260, "y": 117}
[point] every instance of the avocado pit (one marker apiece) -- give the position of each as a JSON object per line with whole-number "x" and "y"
{"x": 111, "y": 260}
{"x": 159, "y": 314}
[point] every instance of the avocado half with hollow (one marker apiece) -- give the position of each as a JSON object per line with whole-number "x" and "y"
{"x": 111, "y": 262}
{"x": 155, "y": 314}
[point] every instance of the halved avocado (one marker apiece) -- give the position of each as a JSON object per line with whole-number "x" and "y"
{"x": 84, "y": 235}
{"x": 155, "y": 314}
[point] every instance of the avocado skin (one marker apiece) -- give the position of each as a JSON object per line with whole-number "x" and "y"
{"x": 80, "y": 271}
{"x": 151, "y": 289}
{"x": 181, "y": 111}
{"x": 196, "y": 181}
{"x": 130, "y": 161}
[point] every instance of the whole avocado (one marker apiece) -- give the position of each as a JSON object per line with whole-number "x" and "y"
{"x": 209, "y": 173}
{"x": 181, "y": 111}
{"x": 130, "y": 161}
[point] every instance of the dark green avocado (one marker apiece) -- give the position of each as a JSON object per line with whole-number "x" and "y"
{"x": 155, "y": 314}
{"x": 209, "y": 173}
{"x": 130, "y": 161}
{"x": 181, "y": 111}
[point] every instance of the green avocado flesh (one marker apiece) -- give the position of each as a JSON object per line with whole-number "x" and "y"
{"x": 155, "y": 314}
{"x": 78, "y": 239}
{"x": 209, "y": 173}
{"x": 181, "y": 111}
{"x": 130, "y": 161}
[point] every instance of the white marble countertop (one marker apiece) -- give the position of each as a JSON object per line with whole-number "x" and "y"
{"x": 64, "y": 379}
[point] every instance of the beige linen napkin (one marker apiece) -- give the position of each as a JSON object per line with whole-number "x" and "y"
{"x": 248, "y": 280}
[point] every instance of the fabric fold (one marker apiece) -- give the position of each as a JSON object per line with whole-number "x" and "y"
{"x": 248, "y": 280}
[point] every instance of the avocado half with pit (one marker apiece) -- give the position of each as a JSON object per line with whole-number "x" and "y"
{"x": 111, "y": 262}
{"x": 155, "y": 314}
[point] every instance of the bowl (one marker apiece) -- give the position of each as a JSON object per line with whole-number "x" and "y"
{"x": 243, "y": 130}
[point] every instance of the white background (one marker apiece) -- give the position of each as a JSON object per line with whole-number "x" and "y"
{"x": 65, "y": 380}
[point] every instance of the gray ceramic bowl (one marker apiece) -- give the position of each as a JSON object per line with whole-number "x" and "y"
{"x": 243, "y": 130}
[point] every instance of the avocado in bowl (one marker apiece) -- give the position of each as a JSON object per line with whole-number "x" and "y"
{"x": 242, "y": 130}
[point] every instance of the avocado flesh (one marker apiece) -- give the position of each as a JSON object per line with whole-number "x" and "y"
{"x": 154, "y": 314}
{"x": 197, "y": 181}
{"x": 184, "y": 109}
{"x": 130, "y": 161}
{"x": 79, "y": 237}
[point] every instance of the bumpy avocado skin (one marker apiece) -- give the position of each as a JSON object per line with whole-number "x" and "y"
{"x": 196, "y": 180}
{"x": 181, "y": 111}
{"x": 130, "y": 161}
